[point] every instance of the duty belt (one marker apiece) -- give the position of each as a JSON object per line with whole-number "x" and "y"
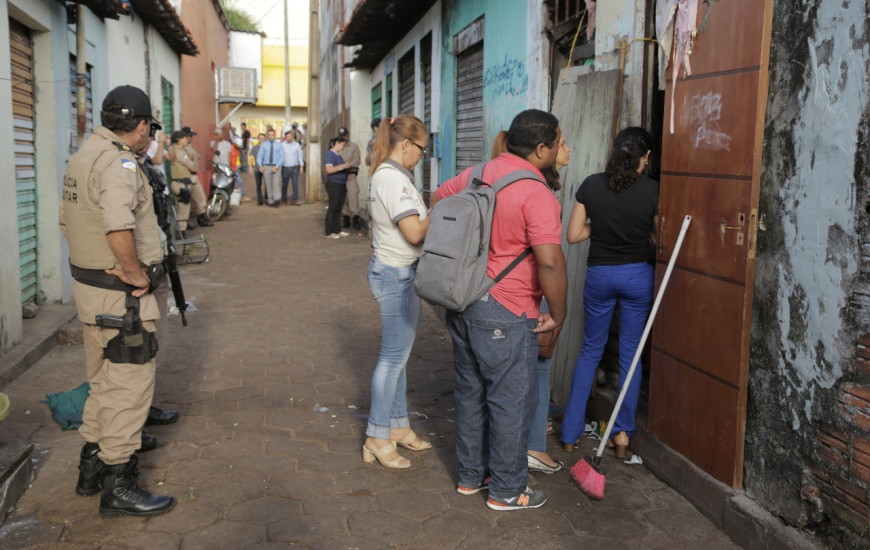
{"x": 101, "y": 279}
{"x": 185, "y": 181}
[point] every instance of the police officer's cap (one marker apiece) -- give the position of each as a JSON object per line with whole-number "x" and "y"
{"x": 178, "y": 134}
{"x": 129, "y": 101}
{"x": 188, "y": 131}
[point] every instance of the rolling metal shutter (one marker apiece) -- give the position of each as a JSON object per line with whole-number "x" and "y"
{"x": 406, "y": 84}
{"x": 426, "y": 73}
{"x": 469, "y": 108}
{"x": 89, "y": 105}
{"x": 25, "y": 172}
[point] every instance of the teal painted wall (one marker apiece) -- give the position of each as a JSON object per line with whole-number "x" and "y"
{"x": 506, "y": 75}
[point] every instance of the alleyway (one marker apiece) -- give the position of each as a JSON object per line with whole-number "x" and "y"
{"x": 272, "y": 381}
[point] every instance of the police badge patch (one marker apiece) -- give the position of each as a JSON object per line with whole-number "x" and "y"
{"x": 129, "y": 165}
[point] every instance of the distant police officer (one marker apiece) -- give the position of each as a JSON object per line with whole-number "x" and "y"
{"x": 108, "y": 218}
{"x": 185, "y": 185}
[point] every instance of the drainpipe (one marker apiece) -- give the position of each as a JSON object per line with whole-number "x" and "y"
{"x": 147, "y": 30}
{"x": 81, "y": 75}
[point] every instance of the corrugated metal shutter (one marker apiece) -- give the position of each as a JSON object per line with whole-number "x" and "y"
{"x": 89, "y": 105}
{"x": 426, "y": 70}
{"x": 406, "y": 84}
{"x": 469, "y": 108}
{"x": 25, "y": 172}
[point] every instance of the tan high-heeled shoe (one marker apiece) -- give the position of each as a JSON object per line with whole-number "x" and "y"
{"x": 386, "y": 455}
{"x": 621, "y": 443}
{"x": 413, "y": 443}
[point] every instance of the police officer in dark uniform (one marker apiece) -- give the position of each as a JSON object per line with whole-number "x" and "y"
{"x": 116, "y": 255}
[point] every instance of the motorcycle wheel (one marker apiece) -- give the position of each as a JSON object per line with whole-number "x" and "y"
{"x": 217, "y": 207}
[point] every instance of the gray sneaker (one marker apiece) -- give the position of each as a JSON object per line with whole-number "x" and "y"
{"x": 526, "y": 499}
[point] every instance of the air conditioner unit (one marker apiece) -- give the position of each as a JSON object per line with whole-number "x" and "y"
{"x": 236, "y": 85}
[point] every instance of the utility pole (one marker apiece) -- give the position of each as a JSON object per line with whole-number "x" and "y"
{"x": 313, "y": 162}
{"x": 286, "y": 66}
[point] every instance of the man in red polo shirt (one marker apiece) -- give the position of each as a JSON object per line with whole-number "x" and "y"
{"x": 494, "y": 340}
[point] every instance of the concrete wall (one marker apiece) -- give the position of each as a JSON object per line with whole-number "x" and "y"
{"x": 246, "y": 50}
{"x": 272, "y": 93}
{"x": 514, "y": 69}
{"x": 808, "y": 420}
{"x": 361, "y": 109}
{"x": 198, "y": 104}
{"x": 618, "y": 22}
{"x": 165, "y": 63}
{"x": 126, "y": 57}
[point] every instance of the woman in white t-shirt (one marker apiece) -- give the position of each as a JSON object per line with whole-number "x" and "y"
{"x": 399, "y": 224}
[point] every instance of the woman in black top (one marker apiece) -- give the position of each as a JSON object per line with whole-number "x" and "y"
{"x": 621, "y": 205}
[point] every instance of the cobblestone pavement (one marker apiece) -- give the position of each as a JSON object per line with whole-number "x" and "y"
{"x": 272, "y": 381}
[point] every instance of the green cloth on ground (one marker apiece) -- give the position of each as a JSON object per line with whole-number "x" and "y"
{"x": 67, "y": 406}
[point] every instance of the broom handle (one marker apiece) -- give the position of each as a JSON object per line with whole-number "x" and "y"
{"x": 643, "y": 338}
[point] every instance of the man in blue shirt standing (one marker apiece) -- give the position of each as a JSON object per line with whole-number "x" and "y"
{"x": 270, "y": 159}
{"x": 293, "y": 166}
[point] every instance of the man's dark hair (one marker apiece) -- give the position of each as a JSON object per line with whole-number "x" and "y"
{"x": 115, "y": 121}
{"x": 245, "y": 125}
{"x": 530, "y": 129}
{"x": 376, "y": 122}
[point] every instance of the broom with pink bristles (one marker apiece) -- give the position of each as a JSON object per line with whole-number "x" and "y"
{"x": 587, "y": 472}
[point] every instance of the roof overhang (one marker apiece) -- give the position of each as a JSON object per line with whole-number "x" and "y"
{"x": 162, "y": 16}
{"x": 378, "y": 25}
{"x": 106, "y": 8}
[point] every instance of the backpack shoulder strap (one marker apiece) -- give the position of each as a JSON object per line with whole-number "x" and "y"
{"x": 511, "y": 177}
{"x": 476, "y": 172}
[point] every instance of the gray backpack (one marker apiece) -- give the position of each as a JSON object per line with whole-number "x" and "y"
{"x": 452, "y": 268}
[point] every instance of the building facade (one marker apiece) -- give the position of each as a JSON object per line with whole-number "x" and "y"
{"x": 38, "y": 60}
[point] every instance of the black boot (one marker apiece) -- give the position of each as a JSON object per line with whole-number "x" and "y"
{"x": 149, "y": 442}
{"x": 159, "y": 416}
{"x": 90, "y": 470}
{"x": 202, "y": 221}
{"x": 345, "y": 221}
{"x": 122, "y": 495}
{"x": 356, "y": 222}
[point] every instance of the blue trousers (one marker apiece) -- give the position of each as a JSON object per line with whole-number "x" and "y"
{"x": 631, "y": 287}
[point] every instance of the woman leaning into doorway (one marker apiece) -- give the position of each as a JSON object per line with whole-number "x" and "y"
{"x": 617, "y": 210}
{"x": 399, "y": 224}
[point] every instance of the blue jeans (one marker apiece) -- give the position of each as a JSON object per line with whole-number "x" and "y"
{"x": 393, "y": 289}
{"x": 494, "y": 355}
{"x": 538, "y": 423}
{"x": 630, "y": 286}
{"x": 289, "y": 174}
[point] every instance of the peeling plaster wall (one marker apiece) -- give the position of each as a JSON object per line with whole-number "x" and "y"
{"x": 812, "y": 299}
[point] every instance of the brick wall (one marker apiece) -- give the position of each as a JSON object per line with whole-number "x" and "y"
{"x": 842, "y": 469}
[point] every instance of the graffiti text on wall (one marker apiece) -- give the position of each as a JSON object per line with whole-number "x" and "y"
{"x": 705, "y": 111}
{"x": 507, "y": 78}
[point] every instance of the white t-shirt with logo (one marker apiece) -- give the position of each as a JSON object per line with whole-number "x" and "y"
{"x": 392, "y": 198}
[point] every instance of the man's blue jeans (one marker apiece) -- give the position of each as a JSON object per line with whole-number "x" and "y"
{"x": 393, "y": 289}
{"x": 631, "y": 287}
{"x": 288, "y": 174}
{"x": 494, "y": 355}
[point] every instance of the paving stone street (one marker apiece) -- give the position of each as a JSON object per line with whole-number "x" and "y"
{"x": 271, "y": 378}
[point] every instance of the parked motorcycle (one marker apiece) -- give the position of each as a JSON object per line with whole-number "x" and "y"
{"x": 222, "y": 185}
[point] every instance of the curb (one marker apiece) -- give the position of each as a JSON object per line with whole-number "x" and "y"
{"x": 40, "y": 335}
{"x": 738, "y": 516}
